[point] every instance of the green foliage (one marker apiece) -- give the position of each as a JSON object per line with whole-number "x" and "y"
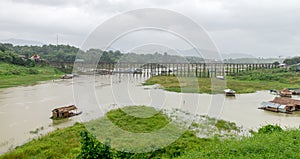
{"x": 133, "y": 120}
{"x": 276, "y": 63}
{"x": 268, "y": 129}
{"x": 62, "y": 143}
{"x": 67, "y": 53}
{"x": 91, "y": 148}
{"x": 269, "y": 142}
{"x": 14, "y": 75}
{"x": 29, "y": 63}
{"x": 279, "y": 144}
{"x": 33, "y": 71}
{"x": 292, "y": 61}
{"x": 225, "y": 125}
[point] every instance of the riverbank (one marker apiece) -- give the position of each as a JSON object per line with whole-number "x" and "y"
{"x": 244, "y": 82}
{"x": 14, "y": 75}
{"x": 268, "y": 142}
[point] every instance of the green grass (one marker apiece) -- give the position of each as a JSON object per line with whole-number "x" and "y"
{"x": 14, "y": 75}
{"x": 131, "y": 128}
{"x": 62, "y": 143}
{"x": 285, "y": 144}
{"x": 244, "y": 82}
{"x": 269, "y": 142}
{"x": 134, "y": 120}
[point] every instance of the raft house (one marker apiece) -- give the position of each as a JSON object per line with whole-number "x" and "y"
{"x": 281, "y": 104}
{"x": 64, "y": 112}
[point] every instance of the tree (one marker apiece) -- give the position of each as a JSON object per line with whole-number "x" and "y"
{"x": 276, "y": 63}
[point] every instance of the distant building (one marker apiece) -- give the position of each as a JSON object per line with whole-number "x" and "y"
{"x": 36, "y": 58}
{"x": 79, "y": 60}
{"x": 23, "y": 57}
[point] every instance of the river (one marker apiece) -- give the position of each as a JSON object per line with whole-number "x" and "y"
{"x": 24, "y": 109}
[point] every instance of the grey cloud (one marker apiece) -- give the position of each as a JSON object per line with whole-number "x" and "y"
{"x": 258, "y": 27}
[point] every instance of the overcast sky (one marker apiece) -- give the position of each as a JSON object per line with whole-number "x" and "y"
{"x": 262, "y": 28}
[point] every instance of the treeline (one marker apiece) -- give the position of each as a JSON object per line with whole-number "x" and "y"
{"x": 292, "y": 61}
{"x": 9, "y": 56}
{"x": 67, "y": 53}
{"x": 57, "y": 53}
{"x": 251, "y": 60}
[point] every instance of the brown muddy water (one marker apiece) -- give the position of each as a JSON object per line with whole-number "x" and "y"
{"x": 25, "y": 109}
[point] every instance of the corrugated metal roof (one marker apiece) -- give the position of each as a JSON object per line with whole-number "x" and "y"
{"x": 271, "y": 104}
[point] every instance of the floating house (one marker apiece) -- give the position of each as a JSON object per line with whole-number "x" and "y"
{"x": 284, "y": 105}
{"x": 64, "y": 112}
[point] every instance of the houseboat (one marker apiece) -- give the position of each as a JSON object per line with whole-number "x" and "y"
{"x": 64, "y": 112}
{"x": 283, "y": 105}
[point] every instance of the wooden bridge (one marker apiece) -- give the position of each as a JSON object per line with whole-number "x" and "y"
{"x": 203, "y": 70}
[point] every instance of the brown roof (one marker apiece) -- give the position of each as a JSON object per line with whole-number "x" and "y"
{"x": 65, "y": 109}
{"x": 285, "y": 91}
{"x": 286, "y": 101}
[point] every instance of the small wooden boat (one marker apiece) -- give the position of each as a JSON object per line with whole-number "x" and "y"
{"x": 273, "y": 91}
{"x": 229, "y": 92}
{"x": 65, "y": 112}
{"x": 67, "y": 76}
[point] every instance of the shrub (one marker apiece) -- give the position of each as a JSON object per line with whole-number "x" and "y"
{"x": 15, "y": 72}
{"x": 33, "y": 71}
{"x": 268, "y": 129}
{"x": 91, "y": 148}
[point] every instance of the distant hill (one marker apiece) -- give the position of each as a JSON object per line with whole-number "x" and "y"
{"x": 22, "y": 42}
{"x": 236, "y": 56}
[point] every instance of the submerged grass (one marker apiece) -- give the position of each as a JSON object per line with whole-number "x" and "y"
{"x": 270, "y": 142}
{"x": 14, "y": 75}
{"x": 244, "y": 82}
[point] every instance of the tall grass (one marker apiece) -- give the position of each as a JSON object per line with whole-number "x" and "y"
{"x": 14, "y": 75}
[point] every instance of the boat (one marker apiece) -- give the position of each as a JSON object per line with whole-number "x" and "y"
{"x": 67, "y": 76}
{"x": 273, "y": 91}
{"x": 274, "y": 107}
{"x": 229, "y": 92}
{"x": 295, "y": 91}
{"x": 65, "y": 112}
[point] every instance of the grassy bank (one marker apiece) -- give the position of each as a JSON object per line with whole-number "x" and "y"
{"x": 268, "y": 142}
{"x": 13, "y": 75}
{"x": 244, "y": 82}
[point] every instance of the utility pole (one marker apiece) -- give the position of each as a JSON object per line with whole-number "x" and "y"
{"x": 57, "y": 40}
